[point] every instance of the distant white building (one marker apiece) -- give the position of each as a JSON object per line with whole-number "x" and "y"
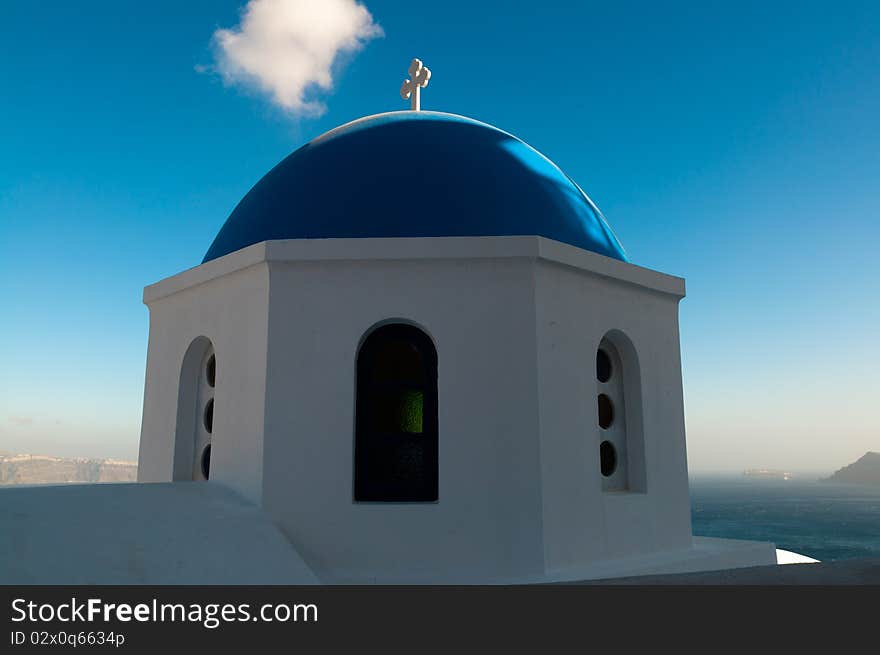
{"x": 415, "y": 353}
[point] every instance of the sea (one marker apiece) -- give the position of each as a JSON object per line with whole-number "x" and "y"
{"x": 823, "y": 520}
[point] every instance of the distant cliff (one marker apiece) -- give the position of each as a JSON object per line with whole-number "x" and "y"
{"x": 865, "y": 470}
{"x": 41, "y": 469}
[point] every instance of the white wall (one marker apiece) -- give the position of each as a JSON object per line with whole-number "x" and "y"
{"x": 232, "y": 312}
{"x": 516, "y": 322}
{"x": 583, "y": 523}
{"x": 486, "y": 524}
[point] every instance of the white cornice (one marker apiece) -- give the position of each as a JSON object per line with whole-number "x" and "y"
{"x": 421, "y": 249}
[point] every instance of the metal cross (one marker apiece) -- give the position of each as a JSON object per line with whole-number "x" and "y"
{"x": 412, "y": 87}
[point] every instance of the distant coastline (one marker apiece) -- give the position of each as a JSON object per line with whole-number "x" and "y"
{"x": 45, "y": 469}
{"x": 864, "y": 471}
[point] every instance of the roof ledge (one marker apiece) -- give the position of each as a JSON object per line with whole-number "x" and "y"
{"x": 418, "y": 248}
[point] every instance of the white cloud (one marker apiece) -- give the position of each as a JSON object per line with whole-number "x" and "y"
{"x": 286, "y": 48}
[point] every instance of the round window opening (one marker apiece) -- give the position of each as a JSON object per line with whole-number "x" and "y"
{"x": 211, "y": 370}
{"x": 206, "y": 461}
{"x": 209, "y": 416}
{"x": 607, "y": 458}
{"x": 603, "y": 366}
{"x": 606, "y": 411}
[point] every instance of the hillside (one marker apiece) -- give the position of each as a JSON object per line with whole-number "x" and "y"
{"x": 42, "y": 469}
{"x": 865, "y": 470}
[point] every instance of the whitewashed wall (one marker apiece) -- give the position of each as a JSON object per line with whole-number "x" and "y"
{"x": 232, "y": 312}
{"x": 583, "y": 523}
{"x": 516, "y": 322}
{"x": 479, "y": 314}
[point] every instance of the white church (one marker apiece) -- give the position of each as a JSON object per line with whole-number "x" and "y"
{"x": 414, "y": 353}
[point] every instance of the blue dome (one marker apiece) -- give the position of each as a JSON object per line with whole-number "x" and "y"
{"x": 416, "y": 174}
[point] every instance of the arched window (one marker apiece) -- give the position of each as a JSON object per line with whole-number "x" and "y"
{"x": 395, "y": 449}
{"x": 621, "y": 446}
{"x": 195, "y": 412}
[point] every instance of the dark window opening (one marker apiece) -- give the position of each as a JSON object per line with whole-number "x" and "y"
{"x": 396, "y": 417}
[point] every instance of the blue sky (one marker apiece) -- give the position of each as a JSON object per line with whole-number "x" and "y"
{"x": 735, "y": 144}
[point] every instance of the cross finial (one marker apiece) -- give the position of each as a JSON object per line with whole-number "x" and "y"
{"x": 412, "y": 87}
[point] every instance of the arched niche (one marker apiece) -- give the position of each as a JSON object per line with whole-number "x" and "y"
{"x": 195, "y": 412}
{"x": 621, "y": 444}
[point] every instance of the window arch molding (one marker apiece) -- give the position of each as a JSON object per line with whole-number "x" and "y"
{"x": 399, "y": 320}
{"x": 396, "y": 414}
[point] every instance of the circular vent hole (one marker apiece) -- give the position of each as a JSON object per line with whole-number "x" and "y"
{"x": 607, "y": 458}
{"x": 606, "y": 412}
{"x": 603, "y": 366}
{"x": 206, "y": 462}
{"x": 211, "y": 370}
{"x": 209, "y": 416}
